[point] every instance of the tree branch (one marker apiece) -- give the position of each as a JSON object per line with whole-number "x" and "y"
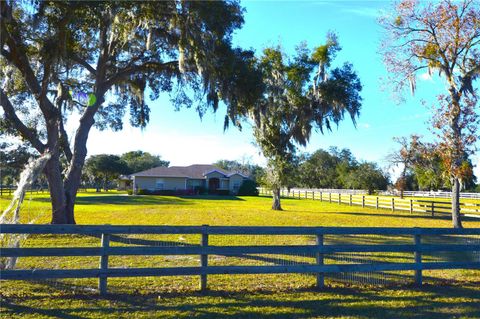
{"x": 124, "y": 73}
{"x": 83, "y": 63}
{"x": 25, "y": 132}
{"x": 17, "y": 56}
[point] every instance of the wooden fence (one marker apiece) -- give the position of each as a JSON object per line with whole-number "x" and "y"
{"x": 431, "y": 207}
{"x": 318, "y": 248}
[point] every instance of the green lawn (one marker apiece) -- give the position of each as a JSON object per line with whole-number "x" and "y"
{"x": 447, "y": 294}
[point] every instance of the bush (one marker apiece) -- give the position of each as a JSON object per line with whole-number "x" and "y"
{"x": 200, "y": 190}
{"x": 167, "y": 192}
{"x": 129, "y": 192}
{"x": 248, "y": 188}
{"x": 222, "y": 192}
{"x": 142, "y": 191}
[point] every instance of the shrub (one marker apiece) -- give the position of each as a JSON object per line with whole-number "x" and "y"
{"x": 200, "y": 190}
{"x": 167, "y": 192}
{"x": 222, "y": 192}
{"x": 129, "y": 192}
{"x": 248, "y": 188}
{"x": 142, "y": 191}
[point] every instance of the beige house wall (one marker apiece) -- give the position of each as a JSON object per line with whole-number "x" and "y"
{"x": 181, "y": 183}
{"x": 191, "y": 183}
{"x": 234, "y": 179}
{"x": 150, "y": 183}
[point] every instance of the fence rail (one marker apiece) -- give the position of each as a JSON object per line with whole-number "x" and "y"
{"x": 433, "y": 194}
{"x": 430, "y": 207}
{"x": 318, "y": 248}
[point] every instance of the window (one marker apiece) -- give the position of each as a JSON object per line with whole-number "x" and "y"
{"x": 159, "y": 184}
{"x": 236, "y": 186}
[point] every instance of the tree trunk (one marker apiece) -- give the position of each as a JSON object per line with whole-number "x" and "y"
{"x": 276, "y": 199}
{"x": 456, "y": 219}
{"x": 57, "y": 192}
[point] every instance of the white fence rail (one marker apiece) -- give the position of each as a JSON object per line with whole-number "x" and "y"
{"x": 427, "y": 206}
{"x": 432, "y": 194}
{"x": 327, "y": 190}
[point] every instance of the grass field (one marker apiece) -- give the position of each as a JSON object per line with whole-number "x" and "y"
{"x": 447, "y": 294}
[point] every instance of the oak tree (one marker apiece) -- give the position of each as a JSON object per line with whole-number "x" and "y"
{"x": 300, "y": 93}
{"x": 94, "y": 60}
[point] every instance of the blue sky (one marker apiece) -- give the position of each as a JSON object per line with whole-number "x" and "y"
{"x": 182, "y": 138}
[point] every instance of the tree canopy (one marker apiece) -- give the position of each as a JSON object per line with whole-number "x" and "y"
{"x": 300, "y": 93}
{"x": 340, "y": 169}
{"x": 104, "y": 168}
{"x": 96, "y": 60}
{"x": 138, "y": 161}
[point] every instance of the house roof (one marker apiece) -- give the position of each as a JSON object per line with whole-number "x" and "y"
{"x": 197, "y": 171}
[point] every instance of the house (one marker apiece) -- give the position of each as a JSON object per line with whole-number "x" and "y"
{"x": 186, "y": 178}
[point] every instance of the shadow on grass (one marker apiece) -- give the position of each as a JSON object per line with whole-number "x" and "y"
{"x": 213, "y": 197}
{"x": 125, "y": 200}
{"x": 115, "y": 199}
{"x": 439, "y": 302}
{"x": 406, "y": 215}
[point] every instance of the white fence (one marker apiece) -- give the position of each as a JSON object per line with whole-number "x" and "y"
{"x": 327, "y": 190}
{"x": 428, "y": 206}
{"x": 433, "y": 194}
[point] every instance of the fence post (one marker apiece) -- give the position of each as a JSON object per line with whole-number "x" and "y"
{"x": 321, "y": 197}
{"x": 339, "y": 198}
{"x": 204, "y": 259}
{"x": 363, "y": 200}
{"x": 393, "y": 204}
{"x": 376, "y": 203}
{"x": 411, "y": 206}
{"x": 313, "y": 195}
{"x": 320, "y": 262}
{"x": 306, "y": 195}
{"x": 433, "y": 209}
{"x": 418, "y": 258}
{"x": 102, "y": 278}
{"x": 350, "y": 200}
{"x": 330, "y": 197}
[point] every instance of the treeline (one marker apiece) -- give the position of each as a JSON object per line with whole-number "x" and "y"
{"x": 424, "y": 167}
{"x": 339, "y": 169}
{"x": 103, "y": 170}
{"x": 322, "y": 169}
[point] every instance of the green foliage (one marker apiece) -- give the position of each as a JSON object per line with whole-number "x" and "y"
{"x": 13, "y": 159}
{"x": 138, "y": 161}
{"x": 297, "y": 99}
{"x": 200, "y": 190}
{"x": 104, "y": 168}
{"x": 368, "y": 176}
{"x": 431, "y": 173}
{"x": 96, "y": 60}
{"x": 340, "y": 169}
{"x": 319, "y": 170}
{"x": 408, "y": 183}
{"x": 221, "y": 192}
{"x": 246, "y": 168}
{"x": 248, "y": 188}
{"x": 324, "y": 54}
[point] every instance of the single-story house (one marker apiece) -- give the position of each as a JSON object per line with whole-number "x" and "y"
{"x": 179, "y": 178}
